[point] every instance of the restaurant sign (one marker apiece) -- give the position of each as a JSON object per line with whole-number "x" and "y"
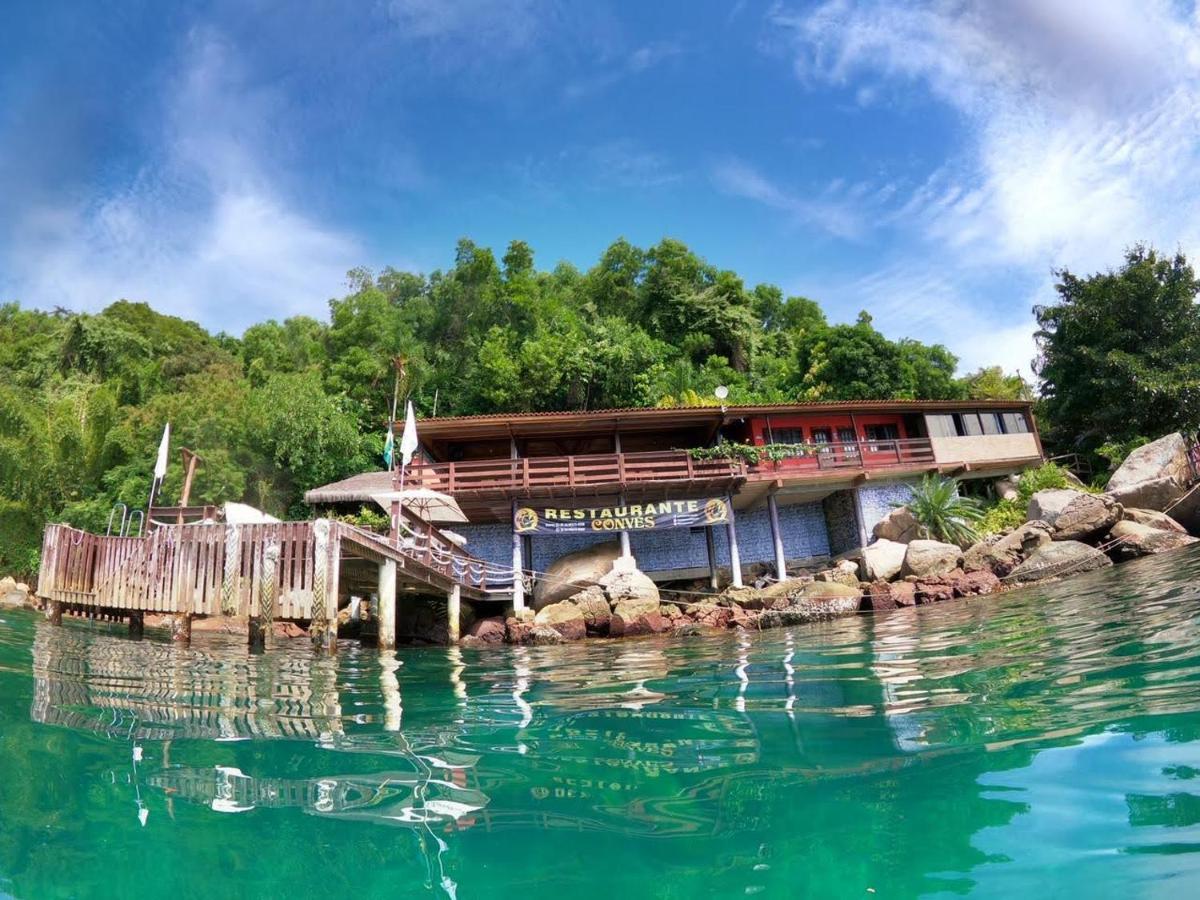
{"x": 654, "y": 516}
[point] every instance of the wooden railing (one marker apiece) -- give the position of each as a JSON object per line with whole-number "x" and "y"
{"x": 592, "y": 470}
{"x": 820, "y": 458}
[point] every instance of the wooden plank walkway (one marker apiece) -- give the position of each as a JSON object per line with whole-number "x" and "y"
{"x": 266, "y": 572}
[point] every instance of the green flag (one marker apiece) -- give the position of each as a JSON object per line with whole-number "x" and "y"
{"x": 388, "y": 446}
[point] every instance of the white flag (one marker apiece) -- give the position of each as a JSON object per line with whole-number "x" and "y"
{"x": 160, "y": 466}
{"x": 408, "y": 441}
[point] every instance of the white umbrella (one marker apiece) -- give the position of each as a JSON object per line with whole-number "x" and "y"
{"x": 430, "y": 505}
{"x": 244, "y": 514}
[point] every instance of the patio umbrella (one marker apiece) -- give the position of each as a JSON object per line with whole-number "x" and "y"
{"x": 430, "y": 505}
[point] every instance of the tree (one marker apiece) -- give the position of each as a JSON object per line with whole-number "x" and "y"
{"x": 1119, "y": 352}
{"x": 942, "y": 514}
{"x": 993, "y": 383}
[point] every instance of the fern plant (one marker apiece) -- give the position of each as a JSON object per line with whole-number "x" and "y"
{"x": 942, "y": 514}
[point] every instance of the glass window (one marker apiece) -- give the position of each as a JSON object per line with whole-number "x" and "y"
{"x": 1014, "y": 423}
{"x": 941, "y": 426}
{"x": 991, "y": 423}
{"x": 880, "y": 437}
{"x": 848, "y": 440}
{"x": 968, "y": 423}
{"x": 789, "y": 436}
{"x": 822, "y": 436}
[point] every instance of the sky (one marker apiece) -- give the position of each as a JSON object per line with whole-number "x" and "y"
{"x": 931, "y": 163}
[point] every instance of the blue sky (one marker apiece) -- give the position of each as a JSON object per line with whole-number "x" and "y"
{"x": 930, "y": 163}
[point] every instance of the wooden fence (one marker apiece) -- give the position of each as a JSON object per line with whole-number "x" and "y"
{"x": 200, "y": 569}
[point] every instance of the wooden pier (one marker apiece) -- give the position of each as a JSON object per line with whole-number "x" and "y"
{"x": 288, "y": 571}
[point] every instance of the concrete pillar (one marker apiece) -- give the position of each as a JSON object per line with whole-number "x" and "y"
{"x": 735, "y": 557}
{"x": 625, "y": 551}
{"x": 777, "y": 538}
{"x": 454, "y": 612}
{"x": 709, "y": 545}
{"x": 386, "y": 613}
{"x": 262, "y": 626}
{"x": 518, "y": 565}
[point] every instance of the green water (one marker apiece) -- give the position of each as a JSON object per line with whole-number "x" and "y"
{"x": 1042, "y": 743}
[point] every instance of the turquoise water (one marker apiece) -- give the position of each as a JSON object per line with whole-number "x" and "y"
{"x": 1044, "y": 743}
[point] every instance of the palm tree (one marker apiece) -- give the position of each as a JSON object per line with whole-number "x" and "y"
{"x": 941, "y": 513}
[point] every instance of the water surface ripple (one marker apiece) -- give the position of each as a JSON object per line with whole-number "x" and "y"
{"x": 1045, "y": 741}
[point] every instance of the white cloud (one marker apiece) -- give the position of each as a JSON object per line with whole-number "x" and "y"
{"x": 640, "y": 60}
{"x": 203, "y": 229}
{"x": 1081, "y": 124}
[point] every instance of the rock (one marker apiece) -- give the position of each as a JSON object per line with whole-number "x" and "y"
{"x": 544, "y": 635}
{"x": 487, "y": 631}
{"x": 1153, "y": 518}
{"x": 883, "y": 596}
{"x": 935, "y": 590}
{"x": 642, "y": 623}
{"x": 710, "y": 614}
{"x": 1152, "y": 476}
{"x": 1057, "y": 559}
{"x": 687, "y": 629}
{"x": 1003, "y": 554}
{"x": 976, "y": 583}
{"x": 470, "y": 642}
{"x": 926, "y": 558}
{"x": 1073, "y": 515}
{"x": 845, "y": 572}
{"x": 14, "y": 593}
{"x": 564, "y": 617}
{"x": 573, "y": 572}
{"x": 627, "y": 582}
{"x": 1006, "y": 488}
{"x": 899, "y": 525}
{"x": 516, "y": 631}
{"x": 1133, "y": 539}
{"x": 753, "y": 598}
{"x": 594, "y": 606}
{"x": 820, "y": 600}
{"x": 745, "y": 619}
{"x": 883, "y": 560}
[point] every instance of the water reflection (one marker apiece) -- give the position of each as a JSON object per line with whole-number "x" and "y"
{"x": 904, "y": 750}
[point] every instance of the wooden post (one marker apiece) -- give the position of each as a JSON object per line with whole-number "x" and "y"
{"x": 332, "y": 591}
{"x": 386, "y": 614}
{"x": 262, "y": 625}
{"x": 54, "y": 612}
{"x": 231, "y": 570}
{"x": 319, "y": 623}
{"x": 181, "y": 628}
{"x": 735, "y": 557}
{"x": 181, "y": 595}
{"x": 777, "y": 537}
{"x": 518, "y": 565}
{"x": 454, "y": 612}
{"x": 625, "y": 551}
{"x": 713, "y": 581}
{"x": 137, "y": 625}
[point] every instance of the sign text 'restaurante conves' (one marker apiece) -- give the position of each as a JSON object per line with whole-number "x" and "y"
{"x": 652, "y": 516}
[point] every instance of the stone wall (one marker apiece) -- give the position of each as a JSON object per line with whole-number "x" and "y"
{"x": 841, "y": 520}
{"x": 877, "y": 500}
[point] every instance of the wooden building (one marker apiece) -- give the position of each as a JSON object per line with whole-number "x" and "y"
{"x": 535, "y": 486}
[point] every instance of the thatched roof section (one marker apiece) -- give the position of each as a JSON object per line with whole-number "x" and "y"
{"x": 355, "y": 489}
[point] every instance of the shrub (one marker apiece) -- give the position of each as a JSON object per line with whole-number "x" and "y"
{"x": 942, "y": 513}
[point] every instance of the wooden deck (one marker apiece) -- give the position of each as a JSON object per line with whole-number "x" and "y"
{"x": 276, "y": 571}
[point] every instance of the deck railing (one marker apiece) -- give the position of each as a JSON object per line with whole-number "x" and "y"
{"x": 816, "y": 459}
{"x": 592, "y": 470}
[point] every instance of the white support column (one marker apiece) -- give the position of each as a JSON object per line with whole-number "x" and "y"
{"x": 625, "y": 550}
{"x": 454, "y": 612}
{"x": 777, "y": 537}
{"x": 387, "y": 604}
{"x": 518, "y": 566}
{"x": 709, "y": 545}
{"x": 735, "y": 557}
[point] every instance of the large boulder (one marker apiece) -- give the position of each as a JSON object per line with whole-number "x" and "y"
{"x": 1153, "y": 476}
{"x": 925, "y": 558}
{"x": 627, "y": 622}
{"x": 1154, "y": 519}
{"x": 821, "y": 600}
{"x": 573, "y": 572}
{"x": 1129, "y": 540}
{"x": 626, "y": 582}
{"x": 882, "y": 560}
{"x": 1056, "y": 559}
{"x": 845, "y": 572}
{"x": 14, "y": 593}
{"x": 564, "y": 617}
{"x": 593, "y": 604}
{"x": 1003, "y": 554}
{"x": 487, "y": 631}
{"x": 883, "y": 596}
{"x": 899, "y": 525}
{"x": 1073, "y": 515}
{"x": 709, "y": 614}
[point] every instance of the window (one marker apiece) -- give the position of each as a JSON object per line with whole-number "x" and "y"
{"x": 794, "y": 436}
{"x": 1014, "y": 423}
{"x": 822, "y": 436}
{"x": 880, "y": 437}
{"x": 991, "y": 423}
{"x": 968, "y": 423}
{"x": 849, "y": 441}
{"x": 941, "y": 426}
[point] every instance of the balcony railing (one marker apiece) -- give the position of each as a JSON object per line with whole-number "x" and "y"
{"x": 815, "y": 459}
{"x": 545, "y": 473}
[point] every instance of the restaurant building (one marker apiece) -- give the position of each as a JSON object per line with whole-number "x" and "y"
{"x": 535, "y": 486}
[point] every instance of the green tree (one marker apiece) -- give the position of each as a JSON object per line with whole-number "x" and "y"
{"x": 1119, "y": 352}
{"x": 993, "y": 383}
